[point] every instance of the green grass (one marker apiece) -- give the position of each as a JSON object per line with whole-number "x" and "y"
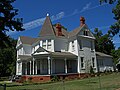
{"x": 108, "y": 82}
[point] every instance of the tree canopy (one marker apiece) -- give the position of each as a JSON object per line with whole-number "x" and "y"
{"x": 8, "y": 21}
{"x": 114, "y": 28}
{"x": 103, "y": 43}
{"x": 8, "y": 58}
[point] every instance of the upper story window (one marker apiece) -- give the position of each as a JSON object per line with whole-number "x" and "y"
{"x": 91, "y": 45}
{"x": 80, "y": 43}
{"x": 49, "y": 44}
{"x": 44, "y": 44}
{"x": 73, "y": 46}
{"x": 20, "y": 51}
{"x": 85, "y": 32}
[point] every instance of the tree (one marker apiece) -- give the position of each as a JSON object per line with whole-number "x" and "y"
{"x": 7, "y": 20}
{"x": 103, "y": 43}
{"x": 8, "y": 59}
{"x": 116, "y": 55}
{"x": 115, "y": 28}
{"x": 107, "y": 1}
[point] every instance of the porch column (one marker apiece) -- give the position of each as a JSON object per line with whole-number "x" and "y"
{"x": 21, "y": 68}
{"x": 65, "y": 65}
{"x": 16, "y": 68}
{"x": 36, "y": 67}
{"x": 33, "y": 65}
{"x": 49, "y": 65}
{"x": 30, "y": 67}
{"x": 25, "y": 68}
{"x": 78, "y": 64}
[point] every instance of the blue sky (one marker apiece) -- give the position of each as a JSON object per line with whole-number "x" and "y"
{"x": 67, "y": 12}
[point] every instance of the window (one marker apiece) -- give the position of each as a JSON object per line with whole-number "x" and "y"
{"x": 49, "y": 45}
{"x": 44, "y": 44}
{"x": 91, "y": 45}
{"x": 73, "y": 46}
{"x": 80, "y": 44}
{"x": 85, "y": 32}
{"x": 93, "y": 61}
{"x": 100, "y": 62}
{"x": 82, "y": 62}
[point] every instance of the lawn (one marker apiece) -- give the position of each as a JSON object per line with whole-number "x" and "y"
{"x": 108, "y": 82}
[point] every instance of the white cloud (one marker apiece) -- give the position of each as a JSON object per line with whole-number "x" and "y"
{"x": 86, "y": 7}
{"x": 38, "y": 22}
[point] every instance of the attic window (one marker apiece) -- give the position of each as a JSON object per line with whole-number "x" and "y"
{"x": 85, "y": 32}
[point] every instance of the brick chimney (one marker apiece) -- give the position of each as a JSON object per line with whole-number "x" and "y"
{"x": 82, "y": 21}
{"x": 59, "y": 29}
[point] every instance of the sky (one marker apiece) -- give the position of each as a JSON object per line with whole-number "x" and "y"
{"x": 66, "y": 12}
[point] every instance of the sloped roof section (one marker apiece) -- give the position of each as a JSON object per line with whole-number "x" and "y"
{"x": 102, "y": 54}
{"x": 75, "y": 31}
{"x": 24, "y": 57}
{"x": 47, "y": 28}
{"x": 28, "y": 40}
{"x": 63, "y": 54}
{"x": 64, "y": 32}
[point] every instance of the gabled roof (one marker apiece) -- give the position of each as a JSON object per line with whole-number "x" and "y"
{"x": 28, "y": 40}
{"x": 77, "y": 30}
{"x": 102, "y": 54}
{"x": 47, "y": 28}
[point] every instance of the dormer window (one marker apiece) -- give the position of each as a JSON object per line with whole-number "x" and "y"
{"x": 85, "y": 32}
{"x": 44, "y": 44}
{"x": 49, "y": 44}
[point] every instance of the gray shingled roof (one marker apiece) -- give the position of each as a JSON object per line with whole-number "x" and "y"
{"x": 102, "y": 54}
{"x": 47, "y": 28}
{"x": 64, "y": 32}
{"x": 24, "y": 57}
{"x": 75, "y": 31}
{"x": 28, "y": 40}
{"x": 63, "y": 54}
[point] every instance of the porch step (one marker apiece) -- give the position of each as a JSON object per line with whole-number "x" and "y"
{"x": 17, "y": 78}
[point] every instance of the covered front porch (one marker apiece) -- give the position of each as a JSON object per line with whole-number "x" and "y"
{"x": 49, "y": 64}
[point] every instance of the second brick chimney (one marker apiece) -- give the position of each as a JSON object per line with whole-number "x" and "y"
{"x": 59, "y": 29}
{"x": 82, "y": 21}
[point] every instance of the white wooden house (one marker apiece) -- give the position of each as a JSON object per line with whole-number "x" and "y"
{"x": 56, "y": 52}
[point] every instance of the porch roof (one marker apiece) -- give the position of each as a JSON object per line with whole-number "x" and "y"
{"x": 102, "y": 54}
{"x": 56, "y": 55}
{"x": 24, "y": 57}
{"x": 63, "y": 54}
